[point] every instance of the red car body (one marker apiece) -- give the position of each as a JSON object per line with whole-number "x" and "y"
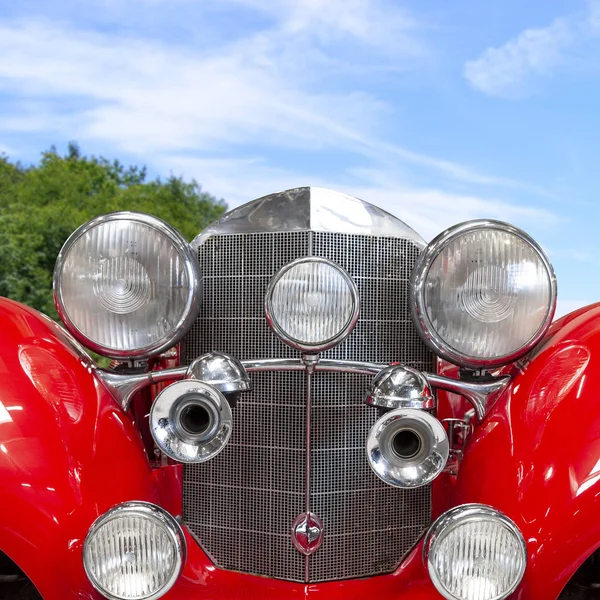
{"x": 69, "y": 452}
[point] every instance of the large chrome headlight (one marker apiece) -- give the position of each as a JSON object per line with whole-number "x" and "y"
{"x": 312, "y": 304}
{"x": 473, "y": 552}
{"x": 483, "y": 293}
{"x": 126, "y": 285}
{"x": 135, "y": 551}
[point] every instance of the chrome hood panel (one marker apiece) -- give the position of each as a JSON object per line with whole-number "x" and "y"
{"x": 310, "y": 209}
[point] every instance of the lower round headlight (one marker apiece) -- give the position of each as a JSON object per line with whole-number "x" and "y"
{"x": 135, "y": 551}
{"x": 312, "y": 304}
{"x": 483, "y": 293}
{"x": 474, "y": 552}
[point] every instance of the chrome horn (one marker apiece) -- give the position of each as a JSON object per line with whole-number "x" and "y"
{"x": 190, "y": 421}
{"x": 407, "y": 448}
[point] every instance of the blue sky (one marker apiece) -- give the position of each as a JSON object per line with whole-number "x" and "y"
{"x": 438, "y": 111}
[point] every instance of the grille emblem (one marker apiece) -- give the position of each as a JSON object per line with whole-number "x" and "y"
{"x": 307, "y": 533}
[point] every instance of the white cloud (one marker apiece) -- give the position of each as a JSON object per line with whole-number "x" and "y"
{"x": 379, "y": 24}
{"x": 428, "y": 211}
{"x": 147, "y": 97}
{"x": 514, "y": 69}
{"x": 184, "y": 109}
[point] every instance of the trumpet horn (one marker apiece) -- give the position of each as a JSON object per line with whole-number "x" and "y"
{"x": 190, "y": 421}
{"x": 407, "y": 448}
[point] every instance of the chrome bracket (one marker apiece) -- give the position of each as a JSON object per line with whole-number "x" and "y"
{"x": 480, "y": 395}
{"x": 458, "y": 432}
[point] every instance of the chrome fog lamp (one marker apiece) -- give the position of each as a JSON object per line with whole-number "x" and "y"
{"x": 190, "y": 421}
{"x": 223, "y": 372}
{"x": 474, "y": 552}
{"x": 483, "y": 293}
{"x": 127, "y": 285}
{"x": 407, "y": 448}
{"x": 135, "y": 551}
{"x": 400, "y": 387}
{"x": 312, "y": 304}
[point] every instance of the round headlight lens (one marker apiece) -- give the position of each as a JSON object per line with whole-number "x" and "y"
{"x": 312, "y": 304}
{"x": 134, "y": 551}
{"x": 473, "y": 552}
{"x": 126, "y": 285}
{"x": 483, "y": 294}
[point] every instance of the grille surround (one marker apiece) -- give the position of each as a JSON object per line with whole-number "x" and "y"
{"x": 241, "y": 505}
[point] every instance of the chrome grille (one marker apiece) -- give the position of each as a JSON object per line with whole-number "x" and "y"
{"x": 241, "y": 505}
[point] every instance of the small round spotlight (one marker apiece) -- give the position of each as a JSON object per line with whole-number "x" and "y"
{"x": 312, "y": 304}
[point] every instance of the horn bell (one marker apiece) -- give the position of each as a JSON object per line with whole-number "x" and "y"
{"x": 190, "y": 421}
{"x": 407, "y": 448}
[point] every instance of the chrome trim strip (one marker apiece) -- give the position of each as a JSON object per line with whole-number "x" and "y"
{"x": 417, "y": 295}
{"x": 192, "y": 270}
{"x": 452, "y": 519}
{"x": 340, "y": 336}
{"x": 308, "y": 380}
{"x": 480, "y": 395}
{"x": 310, "y": 209}
{"x": 150, "y": 511}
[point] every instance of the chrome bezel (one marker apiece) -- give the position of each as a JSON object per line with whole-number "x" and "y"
{"x": 192, "y": 270}
{"x": 324, "y": 344}
{"x": 417, "y": 295}
{"x": 171, "y": 440}
{"x": 149, "y": 511}
{"x": 453, "y": 519}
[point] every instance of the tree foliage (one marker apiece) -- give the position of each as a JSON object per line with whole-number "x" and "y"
{"x": 41, "y": 205}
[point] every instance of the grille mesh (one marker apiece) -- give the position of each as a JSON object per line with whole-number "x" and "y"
{"x": 241, "y": 505}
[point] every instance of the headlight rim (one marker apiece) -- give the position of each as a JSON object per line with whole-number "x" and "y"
{"x": 298, "y": 344}
{"x": 417, "y": 295}
{"x": 456, "y": 516}
{"x": 172, "y": 526}
{"x": 193, "y": 273}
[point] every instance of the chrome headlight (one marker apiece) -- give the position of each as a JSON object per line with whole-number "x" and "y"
{"x": 473, "y": 552}
{"x": 127, "y": 285}
{"x": 312, "y": 304}
{"x": 135, "y": 551}
{"x": 483, "y": 293}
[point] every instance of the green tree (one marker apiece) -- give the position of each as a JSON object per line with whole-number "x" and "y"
{"x": 41, "y": 205}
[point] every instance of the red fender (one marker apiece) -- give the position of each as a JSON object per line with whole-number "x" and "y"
{"x": 536, "y": 457}
{"x": 67, "y": 453}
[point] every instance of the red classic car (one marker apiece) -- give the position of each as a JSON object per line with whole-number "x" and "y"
{"x": 307, "y": 401}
